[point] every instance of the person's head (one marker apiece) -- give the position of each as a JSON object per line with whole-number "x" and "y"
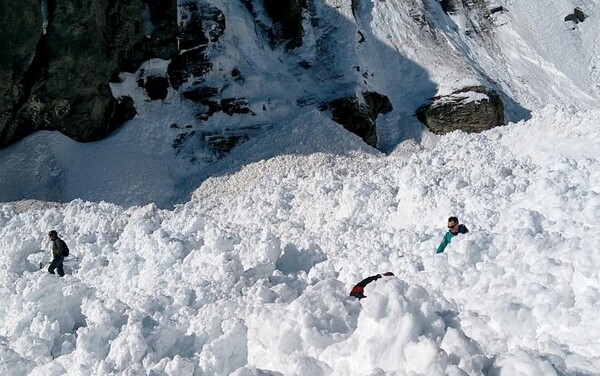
{"x": 53, "y": 235}
{"x": 453, "y": 225}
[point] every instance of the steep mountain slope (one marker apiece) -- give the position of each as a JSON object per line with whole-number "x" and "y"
{"x": 236, "y": 82}
{"x": 256, "y": 212}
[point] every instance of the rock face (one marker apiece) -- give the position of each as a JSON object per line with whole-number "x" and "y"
{"x": 358, "y": 114}
{"x": 201, "y": 27}
{"x": 194, "y": 74}
{"x": 60, "y": 80}
{"x": 156, "y": 87}
{"x": 471, "y": 109}
{"x": 287, "y": 19}
{"x": 20, "y": 31}
{"x": 57, "y": 66}
{"x": 577, "y": 16}
{"x": 201, "y": 24}
{"x": 448, "y": 6}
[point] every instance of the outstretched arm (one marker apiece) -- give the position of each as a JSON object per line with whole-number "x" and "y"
{"x": 442, "y": 246}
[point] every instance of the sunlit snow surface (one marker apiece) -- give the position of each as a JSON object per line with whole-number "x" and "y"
{"x": 252, "y": 275}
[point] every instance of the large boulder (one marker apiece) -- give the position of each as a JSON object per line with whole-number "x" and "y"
{"x": 471, "y": 109}
{"x": 65, "y": 86}
{"x": 357, "y": 113}
{"x": 377, "y": 104}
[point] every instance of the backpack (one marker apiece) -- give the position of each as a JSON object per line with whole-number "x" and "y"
{"x": 65, "y": 249}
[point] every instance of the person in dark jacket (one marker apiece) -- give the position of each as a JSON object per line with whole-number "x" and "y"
{"x": 59, "y": 251}
{"x": 454, "y": 228}
{"x": 358, "y": 289}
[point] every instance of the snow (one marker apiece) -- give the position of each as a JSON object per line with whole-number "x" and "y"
{"x": 252, "y": 274}
{"x": 243, "y": 266}
{"x": 466, "y": 97}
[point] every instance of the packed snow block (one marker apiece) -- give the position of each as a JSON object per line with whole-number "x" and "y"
{"x": 294, "y": 260}
{"x": 471, "y": 109}
{"x": 577, "y": 16}
{"x": 63, "y": 75}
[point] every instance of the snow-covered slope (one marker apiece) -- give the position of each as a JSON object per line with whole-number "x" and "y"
{"x": 251, "y": 276}
{"x": 248, "y": 270}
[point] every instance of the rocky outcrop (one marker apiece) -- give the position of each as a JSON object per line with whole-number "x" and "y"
{"x": 577, "y": 16}
{"x": 357, "y": 114}
{"x": 191, "y": 73}
{"x": 61, "y": 78}
{"x": 377, "y": 104}
{"x": 200, "y": 25}
{"x": 471, "y": 109}
{"x": 287, "y": 21}
{"x": 448, "y": 6}
{"x": 191, "y": 63}
{"x": 210, "y": 146}
{"x": 157, "y": 87}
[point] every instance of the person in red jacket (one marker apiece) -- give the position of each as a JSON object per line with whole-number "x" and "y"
{"x": 358, "y": 289}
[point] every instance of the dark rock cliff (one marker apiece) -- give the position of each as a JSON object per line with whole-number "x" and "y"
{"x": 59, "y": 80}
{"x": 56, "y": 68}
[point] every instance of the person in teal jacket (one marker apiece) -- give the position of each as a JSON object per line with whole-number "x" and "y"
{"x": 454, "y": 228}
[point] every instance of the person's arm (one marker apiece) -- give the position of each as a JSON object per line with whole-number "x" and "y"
{"x": 359, "y": 288}
{"x": 368, "y": 280}
{"x": 442, "y": 245}
{"x": 54, "y": 249}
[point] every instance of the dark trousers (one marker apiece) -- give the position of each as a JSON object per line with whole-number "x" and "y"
{"x": 57, "y": 264}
